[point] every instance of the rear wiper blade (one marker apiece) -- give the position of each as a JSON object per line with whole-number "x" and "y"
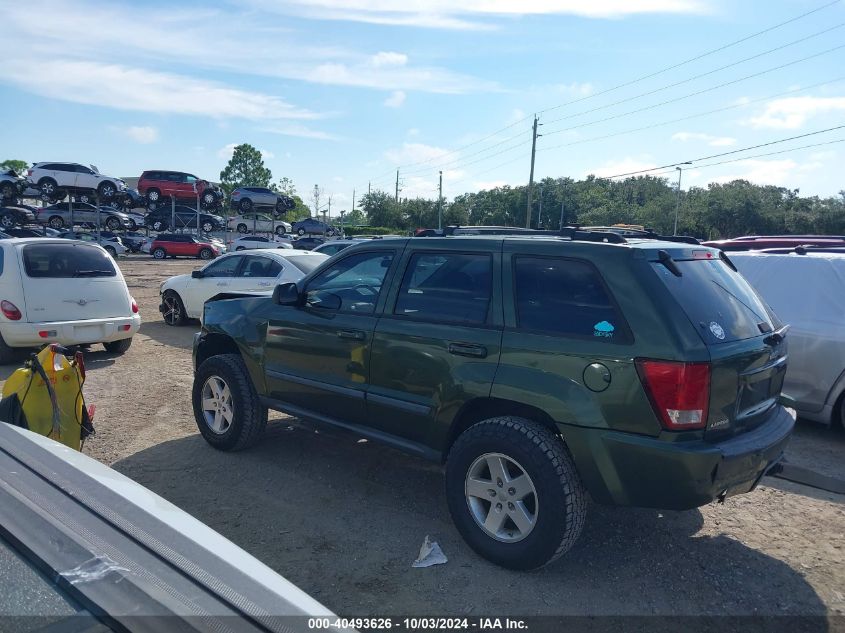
{"x": 777, "y": 336}
{"x": 92, "y": 273}
{"x": 666, "y": 259}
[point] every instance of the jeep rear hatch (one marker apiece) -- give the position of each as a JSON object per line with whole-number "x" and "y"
{"x": 744, "y": 337}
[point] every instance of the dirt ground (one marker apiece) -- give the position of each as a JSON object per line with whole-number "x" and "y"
{"x": 344, "y": 519}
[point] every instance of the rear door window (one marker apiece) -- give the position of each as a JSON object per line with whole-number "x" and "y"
{"x": 446, "y": 287}
{"x": 717, "y": 300}
{"x": 566, "y": 297}
{"x": 256, "y": 266}
{"x": 66, "y": 261}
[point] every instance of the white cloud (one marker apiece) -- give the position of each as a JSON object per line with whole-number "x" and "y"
{"x": 793, "y": 112}
{"x": 396, "y": 99}
{"x": 144, "y": 134}
{"x": 411, "y": 153}
{"x": 714, "y": 141}
{"x": 781, "y": 172}
{"x": 125, "y": 88}
{"x": 299, "y": 130}
{"x": 623, "y": 166}
{"x": 447, "y": 14}
{"x": 227, "y": 151}
{"x": 389, "y": 59}
{"x": 180, "y": 38}
{"x": 575, "y": 89}
{"x": 516, "y": 116}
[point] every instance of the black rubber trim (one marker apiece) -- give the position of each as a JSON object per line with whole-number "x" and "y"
{"x": 348, "y": 392}
{"x": 402, "y": 444}
{"x": 402, "y": 405}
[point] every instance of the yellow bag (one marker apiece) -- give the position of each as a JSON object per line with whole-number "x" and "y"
{"x": 45, "y": 396}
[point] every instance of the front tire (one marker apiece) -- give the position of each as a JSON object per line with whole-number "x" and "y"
{"x": 300, "y": 232}
{"x": 56, "y": 222}
{"x": 207, "y": 227}
{"x": 48, "y": 188}
{"x": 118, "y": 347}
{"x": 111, "y": 251}
{"x": 242, "y": 228}
{"x": 206, "y": 254}
{"x": 174, "y": 309}
{"x": 113, "y": 224}
{"x": 8, "y": 192}
{"x": 158, "y": 225}
{"x": 281, "y": 230}
{"x": 7, "y": 221}
{"x": 245, "y": 204}
{"x": 226, "y": 406}
{"x": 514, "y": 493}
{"x": 107, "y": 190}
{"x": 159, "y": 253}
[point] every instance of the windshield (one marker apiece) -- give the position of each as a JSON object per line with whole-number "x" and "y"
{"x": 66, "y": 261}
{"x": 717, "y": 300}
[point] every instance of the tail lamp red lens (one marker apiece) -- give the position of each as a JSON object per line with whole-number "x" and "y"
{"x": 10, "y": 310}
{"x": 679, "y": 392}
{"x": 134, "y": 307}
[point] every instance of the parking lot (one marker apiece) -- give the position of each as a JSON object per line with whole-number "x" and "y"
{"x": 344, "y": 518}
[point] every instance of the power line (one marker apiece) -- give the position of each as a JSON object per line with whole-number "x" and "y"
{"x": 695, "y": 94}
{"x": 692, "y": 59}
{"x": 735, "y": 151}
{"x": 691, "y": 116}
{"x": 699, "y": 76}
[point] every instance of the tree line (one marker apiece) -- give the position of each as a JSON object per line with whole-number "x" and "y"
{"x": 712, "y": 212}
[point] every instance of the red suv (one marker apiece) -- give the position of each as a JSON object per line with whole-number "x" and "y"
{"x": 157, "y": 186}
{"x": 180, "y": 245}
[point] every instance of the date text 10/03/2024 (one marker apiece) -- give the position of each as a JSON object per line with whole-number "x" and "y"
{"x": 418, "y": 624}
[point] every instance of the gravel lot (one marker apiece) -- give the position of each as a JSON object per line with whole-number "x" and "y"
{"x": 344, "y": 519}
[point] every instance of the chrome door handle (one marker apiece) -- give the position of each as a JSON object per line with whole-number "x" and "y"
{"x": 357, "y": 335}
{"x": 468, "y": 349}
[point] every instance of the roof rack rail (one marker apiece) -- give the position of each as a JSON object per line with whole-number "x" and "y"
{"x": 608, "y": 235}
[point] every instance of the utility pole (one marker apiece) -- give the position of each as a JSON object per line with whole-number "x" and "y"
{"x": 531, "y": 176}
{"x": 368, "y": 187}
{"x": 560, "y": 228}
{"x": 440, "y": 203}
{"x": 353, "y": 200}
{"x": 397, "y": 186}
{"x": 678, "y": 203}
{"x": 540, "y": 210}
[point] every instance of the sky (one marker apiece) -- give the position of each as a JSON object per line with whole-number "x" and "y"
{"x": 341, "y": 93}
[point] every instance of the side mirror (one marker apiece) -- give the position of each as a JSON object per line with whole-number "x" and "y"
{"x": 286, "y": 294}
{"x": 197, "y": 274}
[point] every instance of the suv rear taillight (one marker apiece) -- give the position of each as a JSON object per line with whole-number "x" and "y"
{"x": 679, "y": 392}
{"x": 134, "y": 307}
{"x": 10, "y": 310}
{"x": 28, "y": 172}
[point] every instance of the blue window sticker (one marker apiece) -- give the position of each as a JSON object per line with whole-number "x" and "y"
{"x": 603, "y": 329}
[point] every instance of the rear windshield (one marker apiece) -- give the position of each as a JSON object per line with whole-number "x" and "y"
{"x": 717, "y": 300}
{"x": 65, "y": 261}
{"x": 305, "y": 264}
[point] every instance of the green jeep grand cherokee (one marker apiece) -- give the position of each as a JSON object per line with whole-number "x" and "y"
{"x": 540, "y": 369}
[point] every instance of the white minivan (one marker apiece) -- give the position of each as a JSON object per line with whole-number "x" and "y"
{"x": 62, "y": 291}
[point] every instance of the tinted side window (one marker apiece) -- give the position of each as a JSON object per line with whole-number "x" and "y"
{"x": 357, "y": 280}
{"x": 260, "y": 267}
{"x": 60, "y": 261}
{"x": 226, "y": 267}
{"x": 452, "y": 287}
{"x": 566, "y": 297}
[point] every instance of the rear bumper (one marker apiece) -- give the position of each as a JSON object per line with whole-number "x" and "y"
{"x": 71, "y": 332}
{"x": 632, "y": 470}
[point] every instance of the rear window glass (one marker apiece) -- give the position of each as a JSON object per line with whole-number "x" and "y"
{"x": 306, "y": 264}
{"x": 717, "y": 300}
{"x": 66, "y": 261}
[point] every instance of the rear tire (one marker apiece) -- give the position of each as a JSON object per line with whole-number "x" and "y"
{"x": 207, "y": 227}
{"x": 245, "y": 204}
{"x": 226, "y": 406}
{"x": 56, "y": 222}
{"x": 153, "y": 197}
{"x": 48, "y": 187}
{"x": 300, "y": 232}
{"x": 242, "y": 228}
{"x": 175, "y": 310}
{"x": 107, "y": 190}
{"x": 8, "y": 191}
{"x": 111, "y": 251}
{"x": 118, "y": 347}
{"x": 549, "y": 518}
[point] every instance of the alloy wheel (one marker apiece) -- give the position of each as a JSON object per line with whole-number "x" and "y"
{"x": 217, "y": 406}
{"x": 172, "y": 310}
{"x": 501, "y": 497}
